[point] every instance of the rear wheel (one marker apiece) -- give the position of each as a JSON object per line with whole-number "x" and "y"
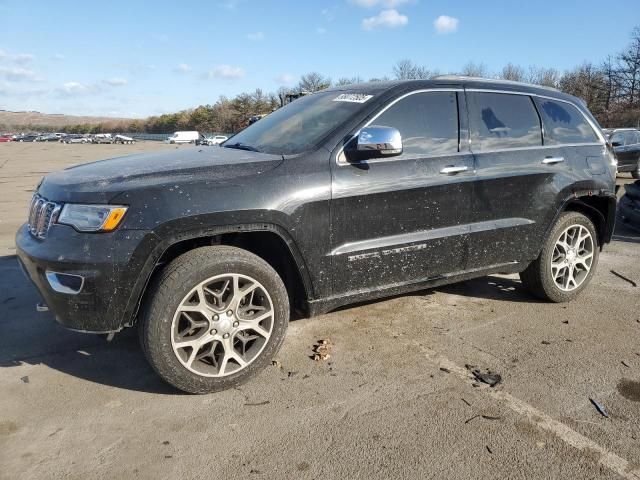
{"x": 567, "y": 262}
{"x": 214, "y": 318}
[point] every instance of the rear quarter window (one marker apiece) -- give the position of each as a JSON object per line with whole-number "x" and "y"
{"x": 564, "y": 123}
{"x": 500, "y": 120}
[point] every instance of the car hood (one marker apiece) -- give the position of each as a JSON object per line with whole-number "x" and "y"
{"x": 101, "y": 181}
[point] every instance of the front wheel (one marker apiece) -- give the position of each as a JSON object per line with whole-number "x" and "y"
{"x": 567, "y": 262}
{"x": 214, "y": 318}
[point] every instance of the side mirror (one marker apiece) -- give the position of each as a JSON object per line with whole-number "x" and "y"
{"x": 378, "y": 142}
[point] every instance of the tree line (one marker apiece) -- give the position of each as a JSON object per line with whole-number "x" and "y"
{"x": 611, "y": 90}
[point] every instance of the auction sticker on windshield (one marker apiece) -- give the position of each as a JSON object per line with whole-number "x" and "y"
{"x": 352, "y": 97}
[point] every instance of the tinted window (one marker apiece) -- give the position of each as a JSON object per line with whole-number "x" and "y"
{"x": 617, "y": 139}
{"x": 428, "y": 123}
{"x": 630, "y": 138}
{"x": 499, "y": 120}
{"x": 563, "y": 123}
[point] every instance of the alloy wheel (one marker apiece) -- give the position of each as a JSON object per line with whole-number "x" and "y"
{"x": 572, "y": 257}
{"x": 222, "y": 325}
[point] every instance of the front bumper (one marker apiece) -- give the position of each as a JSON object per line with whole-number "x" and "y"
{"x": 113, "y": 267}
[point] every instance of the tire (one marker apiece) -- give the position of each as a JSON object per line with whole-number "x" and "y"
{"x": 163, "y": 326}
{"x": 538, "y": 276}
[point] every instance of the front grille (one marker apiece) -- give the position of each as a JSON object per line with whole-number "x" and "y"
{"x": 41, "y": 215}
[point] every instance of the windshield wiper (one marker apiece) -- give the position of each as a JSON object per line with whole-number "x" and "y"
{"x": 241, "y": 146}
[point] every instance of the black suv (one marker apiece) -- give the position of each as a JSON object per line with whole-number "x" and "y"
{"x": 626, "y": 146}
{"x": 341, "y": 196}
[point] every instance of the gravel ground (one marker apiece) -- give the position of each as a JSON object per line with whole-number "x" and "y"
{"x": 395, "y": 400}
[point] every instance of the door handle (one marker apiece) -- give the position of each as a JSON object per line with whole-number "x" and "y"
{"x": 552, "y": 160}
{"x": 451, "y": 169}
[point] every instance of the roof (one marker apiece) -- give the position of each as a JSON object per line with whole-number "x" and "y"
{"x": 452, "y": 81}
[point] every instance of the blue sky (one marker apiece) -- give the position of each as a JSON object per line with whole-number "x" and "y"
{"x": 139, "y": 58}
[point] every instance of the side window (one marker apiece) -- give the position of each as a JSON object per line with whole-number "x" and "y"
{"x": 563, "y": 123}
{"x": 617, "y": 139}
{"x": 500, "y": 120}
{"x": 428, "y": 123}
{"x": 630, "y": 138}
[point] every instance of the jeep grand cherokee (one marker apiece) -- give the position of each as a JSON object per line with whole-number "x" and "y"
{"x": 341, "y": 196}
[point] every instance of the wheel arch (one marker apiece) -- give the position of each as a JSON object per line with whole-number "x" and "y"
{"x": 600, "y": 209}
{"x": 269, "y": 242}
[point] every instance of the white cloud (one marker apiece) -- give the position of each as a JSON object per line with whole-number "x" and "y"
{"x": 19, "y": 58}
{"x": 74, "y": 88}
{"x": 385, "y": 19}
{"x": 286, "y": 79}
{"x": 183, "y": 68}
{"x": 255, "y": 36}
{"x": 321, "y": 30}
{"x": 116, "y": 82}
{"x": 445, "y": 24}
{"x": 17, "y": 74}
{"x": 379, "y": 3}
{"x": 225, "y": 71}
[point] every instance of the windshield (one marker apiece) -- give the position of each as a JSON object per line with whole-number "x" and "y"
{"x": 299, "y": 126}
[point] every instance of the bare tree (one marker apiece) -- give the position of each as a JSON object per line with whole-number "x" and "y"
{"x": 472, "y": 69}
{"x": 629, "y": 70}
{"x": 588, "y": 83}
{"x": 313, "y": 82}
{"x": 407, "y": 70}
{"x": 512, "y": 72}
{"x": 546, "y": 77}
{"x": 348, "y": 81}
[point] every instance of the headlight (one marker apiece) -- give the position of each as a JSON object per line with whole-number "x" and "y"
{"x": 92, "y": 218}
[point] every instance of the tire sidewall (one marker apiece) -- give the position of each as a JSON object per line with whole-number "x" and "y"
{"x": 172, "y": 290}
{"x": 566, "y": 220}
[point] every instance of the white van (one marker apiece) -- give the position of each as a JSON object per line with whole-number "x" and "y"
{"x": 183, "y": 137}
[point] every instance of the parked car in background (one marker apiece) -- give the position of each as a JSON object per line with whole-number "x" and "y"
{"x": 76, "y": 138}
{"x": 49, "y": 137}
{"x": 184, "y": 137}
{"x": 6, "y": 138}
{"x": 380, "y": 189}
{"x": 123, "y": 139}
{"x": 626, "y": 146}
{"x": 30, "y": 137}
{"x": 102, "y": 138}
{"x": 214, "y": 140}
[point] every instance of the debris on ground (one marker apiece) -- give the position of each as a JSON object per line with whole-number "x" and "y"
{"x": 257, "y": 404}
{"x": 488, "y": 449}
{"x": 276, "y": 363}
{"x": 291, "y": 374}
{"x": 625, "y": 363}
{"x": 485, "y": 417}
{"x": 166, "y": 442}
{"x": 619, "y": 275}
{"x": 566, "y": 322}
{"x": 445, "y": 370}
{"x": 467, "y": 403}
{"x": 600, "y": 408}
{"x": 25, "y": 379}
{"x": 545, "y": 342}
{"x": 322, "y": 350}
{"x": 490, "y": 378}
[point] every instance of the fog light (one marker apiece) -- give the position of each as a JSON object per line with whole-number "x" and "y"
{"x": 65, "y": 282}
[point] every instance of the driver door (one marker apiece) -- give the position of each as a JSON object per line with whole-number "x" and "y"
{"x": 401, "y": 220}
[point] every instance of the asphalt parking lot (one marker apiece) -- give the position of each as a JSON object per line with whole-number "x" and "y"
{"x": 395, "y": 400}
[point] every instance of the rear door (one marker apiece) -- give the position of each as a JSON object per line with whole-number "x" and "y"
{"x": 523, "y": 170}
{"x": 404, "y": 219}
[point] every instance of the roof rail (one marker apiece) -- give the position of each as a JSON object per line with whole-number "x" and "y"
{"x": 491, "y": 80}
